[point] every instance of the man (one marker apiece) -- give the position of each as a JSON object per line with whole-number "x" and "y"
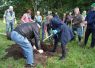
{"x": 9, "y": 18}
{"x": 22, "y": 35}
{"x": 46, "y": 30}
{"x": 61, "y": 33}
{"x": 76, "y": 24}
{"x": 90, "y": 18}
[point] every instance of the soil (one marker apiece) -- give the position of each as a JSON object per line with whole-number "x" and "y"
{"x": 16, "y": 52}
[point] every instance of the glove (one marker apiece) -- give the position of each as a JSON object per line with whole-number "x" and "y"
{"x": 34, "y": 47}
{"x": 40, "y": 51}
{"x": 55, "y": 31}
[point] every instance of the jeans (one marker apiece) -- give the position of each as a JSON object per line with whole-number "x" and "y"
{"x": 79, "y": 31}
{"x": 25, "y": 45}
{"x": 9, "y": 26}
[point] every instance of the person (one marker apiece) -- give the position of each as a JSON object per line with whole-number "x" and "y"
{"x": 64, "y": 18}
{"x": 46, "y": 30}
{"x": 38, "y": 18}
{"x": 76, "y": 24}
{"x": 83, "y": 24}
{"x": 9, "y": 18}
{"x": 26, "y": 18}
{"x": 90, "y": 18}
{"x": 84, "y": 14}
{"x": 69, "y": 18}
{"x": 61, "y": 33}
{"x": 22, "y": 35}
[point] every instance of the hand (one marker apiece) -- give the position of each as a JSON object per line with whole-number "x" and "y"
{"x": 33, "y": 21}
{"x": 40, "y": 51}
{"x": 55, "y": 31}
{"x": 15, "y": 21}
{"x": 34, "y": 47}
{"x": 4, "y": 21}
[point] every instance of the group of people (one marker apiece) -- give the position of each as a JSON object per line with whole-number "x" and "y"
{"x": 51, "y": 25}
{"x": 82, "y": 24}
{"x": 76, "y": 21}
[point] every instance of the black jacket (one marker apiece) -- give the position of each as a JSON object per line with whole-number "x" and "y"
{"x": 30, "y": 31}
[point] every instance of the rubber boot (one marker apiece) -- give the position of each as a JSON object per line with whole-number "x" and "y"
{"x": 63, "y": 52}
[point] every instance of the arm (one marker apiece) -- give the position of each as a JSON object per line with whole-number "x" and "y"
{"x": 15, "y": 18}
{"x": 90, "y": 19}
{"x": 41, "y": 19}
{"x": 4, "y": 16}
{"x": 37, "y": 38}
{"x": 23, "y": 18}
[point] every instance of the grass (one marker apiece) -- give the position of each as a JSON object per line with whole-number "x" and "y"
{"x": 77, "y": 57}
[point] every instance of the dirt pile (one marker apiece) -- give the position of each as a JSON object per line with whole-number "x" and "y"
{"x": 16, "y": 52}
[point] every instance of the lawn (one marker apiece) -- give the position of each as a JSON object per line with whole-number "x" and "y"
{"x": 77, "y": 57}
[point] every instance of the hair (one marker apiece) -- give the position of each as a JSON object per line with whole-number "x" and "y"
{"x": 29, "y": 11}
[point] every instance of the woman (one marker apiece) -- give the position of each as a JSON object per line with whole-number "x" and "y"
{"x": 26, "y": 18}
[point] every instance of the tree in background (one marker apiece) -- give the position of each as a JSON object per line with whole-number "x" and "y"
{"x": 59, "y": 6}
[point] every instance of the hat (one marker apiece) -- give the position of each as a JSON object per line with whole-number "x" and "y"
{"x": 93, "y": 5}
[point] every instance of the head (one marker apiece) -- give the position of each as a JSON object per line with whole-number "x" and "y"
{"x": 29, "y": 11}
{"x": 76, "y": 10}
{"x": 70, "y": 13}
{"x": 49, "y": 12}
{"x": 11, "y": 8}
{"x": 56, "y": 13}
{"x": 93, "y": 6}
{"x": 50, "y": 17}
{"x": 84, "y": 12}
{"x": 38, "y": 12}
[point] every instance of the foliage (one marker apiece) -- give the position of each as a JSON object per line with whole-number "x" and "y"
{"x": 59, "y": 6}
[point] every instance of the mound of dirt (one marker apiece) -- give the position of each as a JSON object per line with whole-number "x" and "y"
{"x": 16, "y": 52}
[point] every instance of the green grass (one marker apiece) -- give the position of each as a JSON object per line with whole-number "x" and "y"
{"x": 77, "y": 57}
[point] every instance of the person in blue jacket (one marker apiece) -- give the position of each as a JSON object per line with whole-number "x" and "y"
{"x": 61, "y": 33}
{"x": 90, "y": 18}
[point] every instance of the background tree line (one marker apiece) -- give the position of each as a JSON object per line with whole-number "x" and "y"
{"x": 60, "y": 6}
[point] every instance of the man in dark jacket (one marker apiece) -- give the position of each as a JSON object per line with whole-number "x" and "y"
{"x": 22, "y": 35}
{"x": 90, "y": 26}
{"x": 61, "y": 33}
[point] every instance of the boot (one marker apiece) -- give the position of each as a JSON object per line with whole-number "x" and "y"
{"x": 55, "y": 47}
{"x": 63, "y": 52}
{"x": 30, "y": 66}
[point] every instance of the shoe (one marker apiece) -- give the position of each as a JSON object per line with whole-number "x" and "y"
{"x": 82, "y": 45}
{"x": 62, "y": 58}
{"x": 30, "y": 66}
{"x": 92, "y": 47}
